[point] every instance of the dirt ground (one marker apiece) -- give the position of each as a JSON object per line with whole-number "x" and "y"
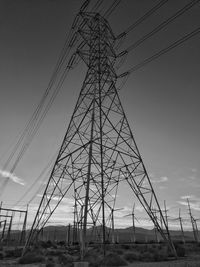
{"x": 187, "y": 262}
{"x": 191, "y": 259}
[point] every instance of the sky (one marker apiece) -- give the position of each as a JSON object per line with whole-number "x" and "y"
{"x": 161, "y": 100}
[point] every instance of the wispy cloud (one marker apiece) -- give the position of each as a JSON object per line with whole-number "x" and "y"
{"x": 139, "y": 208}
{"x": 162, "y": 179}
{"x": 12, "y": 177}
{"x": 194, "y": 206}
{"x": 194, "y": 201}
{"x": 194, "y": 170}
{"x": 187, "y": 197}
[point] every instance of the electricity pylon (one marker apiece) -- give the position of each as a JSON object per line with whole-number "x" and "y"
{"x": 181, "y": 225}
{"x": 194, "y": 224}
{"x": 99, "y": 151}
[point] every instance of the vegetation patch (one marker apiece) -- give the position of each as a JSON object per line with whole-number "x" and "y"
{"x": 13, "y": 253}
{"x": 113, "y": 259}
{"x": 31, "y": 257}
{"x": 180, "y": 250}
{"x": 65, "y": 259}
{"x": 50, "y": 262}
{"x": 132, "y": 256}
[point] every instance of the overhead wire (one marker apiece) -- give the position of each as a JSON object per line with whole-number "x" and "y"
{"x": 111, "y": 8}
{"x": 33, "y": 130}
{"x": 37, "y": 126}
{"x": 37, "y": 117}
{"x": 97, "y": 5}
{"x": 161, "y": 26}
{"x": 64, "y": 53}
{"x": 39, "y": 122}
{"x": 161, "y": 52}
{"x": 141, "y": 19}
{"x": 39, "y": 178}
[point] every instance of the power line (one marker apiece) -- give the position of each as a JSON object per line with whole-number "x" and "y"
{"x": 111, "y": 8}
{"x": 162, "y": 25}
{"x": 144, "y": 17}
{"x": 37, "y": 180}
{"x": 64, "y": 53}
{"x": 84, "y": 5}
{"x": 161, "y": 52}
{"x": 97, "y": 5}
{"x": 37, "y": 117}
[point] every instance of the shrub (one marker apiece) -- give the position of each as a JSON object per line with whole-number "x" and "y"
{"x": 65, "y": 259}
{"x": 31, "y": 257}
{"x": 13, "y": 253}
{"x": 118, "y": 251}
{"x": 125, "y": 246}
{"x": 113, "y": 259}
{"x": 131, "y": 257}
{"x": 180, "y": 250}
{"x": 50, "y": 262}
{"x": 159, "y": 255}
{"x": 147, "y": 256}
{"x": 46, "y": 244}
{"x": 1, "y": 255}
{"x": 142, "y": 248}
{"x": 54, "y": 252}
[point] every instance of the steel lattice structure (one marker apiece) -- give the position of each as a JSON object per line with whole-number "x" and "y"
{"x": 98, "y": 152}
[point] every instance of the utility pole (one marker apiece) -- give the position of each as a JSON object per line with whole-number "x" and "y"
{"x": 4, "y": 227}
{"x": 69, "y": 234}
{"x": 133, "y": 220}
{"x": 155, "y": 229}
{"x": 192, "y": 222}
{"x": 181, "y": 225}
{"x": 165, "y": 211}
{"x": 9, "y": 229}
{"x": 23, "y": 232}
{"x": 196, "y": 229}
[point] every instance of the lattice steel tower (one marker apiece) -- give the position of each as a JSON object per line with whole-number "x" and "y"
{"x": 98, "y": 152}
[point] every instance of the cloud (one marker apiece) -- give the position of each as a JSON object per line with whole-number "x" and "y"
{"x": 187, "y": 197}
{"x": 12, "y": 177}
{"x": 194, "y": 206}
{"x": 194, "y": 201}
{"x": 139, "y": 208}
{"x": 69, "y": 201}
{"x": 162, "y": 179}
{"x": 161, "y": 187}
{"x": 192, "y": 177}
{"x": 194, "y": 170}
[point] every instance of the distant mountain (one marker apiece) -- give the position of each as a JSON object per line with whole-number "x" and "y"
{"x": 64, "y": 233}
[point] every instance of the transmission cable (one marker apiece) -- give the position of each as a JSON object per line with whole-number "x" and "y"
{"x": 111, "y": 8}
{"x": 161, "y": 26}
{"x": 31, "y": 131}
{"x": 39, "y": 122}
{"x": 97, "y": 5}
{"x": 33, "y": 125}
{"x": 140, "y": 20}
{"x": 161, "y": 52}
{"x": 38, "y": 109}
{"x": 37, "y": 180}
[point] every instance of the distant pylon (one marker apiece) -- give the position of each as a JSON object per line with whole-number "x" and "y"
{"x": 193, "y": 222}
{"x": 181, "y": 225}
{"x": 99, "y": 151}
